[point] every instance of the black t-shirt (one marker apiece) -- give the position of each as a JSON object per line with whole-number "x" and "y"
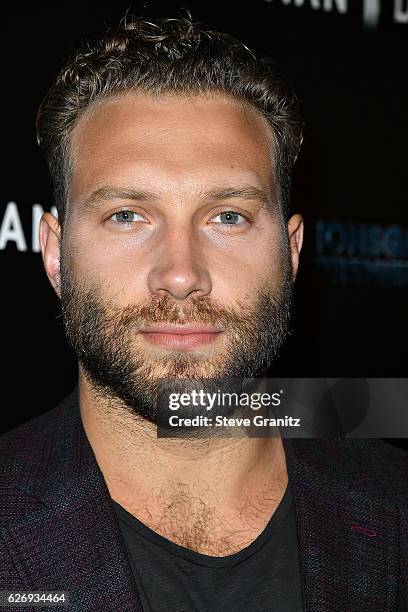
{"x": 263, "y": 577}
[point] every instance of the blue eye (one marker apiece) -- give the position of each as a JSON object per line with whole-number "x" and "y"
{"x": 229, "y": 217}
{"x": 126, "y": 216}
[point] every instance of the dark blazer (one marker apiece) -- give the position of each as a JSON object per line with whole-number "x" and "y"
{"x": 59, "y": 531}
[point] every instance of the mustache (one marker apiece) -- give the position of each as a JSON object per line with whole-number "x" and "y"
{"x": 196, "y": 310}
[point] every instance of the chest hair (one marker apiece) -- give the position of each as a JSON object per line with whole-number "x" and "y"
{"x": 195, "y": 522}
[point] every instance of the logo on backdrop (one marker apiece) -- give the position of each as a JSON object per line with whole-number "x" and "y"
{"x": 371, "y": 9}
{"x": 12, "y": 230}
{"x": 363, "y": 254}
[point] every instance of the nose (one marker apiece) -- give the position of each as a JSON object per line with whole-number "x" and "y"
{"x": 179, "y": 267}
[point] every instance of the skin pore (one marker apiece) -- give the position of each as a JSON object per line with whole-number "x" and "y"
{"x": 152, "y": 179}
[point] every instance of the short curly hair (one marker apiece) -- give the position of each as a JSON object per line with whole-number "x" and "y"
{"x": 161, "y": 56}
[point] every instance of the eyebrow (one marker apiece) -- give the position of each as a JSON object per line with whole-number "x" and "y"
{"x": 108, "y": 193}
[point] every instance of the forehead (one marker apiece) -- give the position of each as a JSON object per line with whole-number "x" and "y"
{"x": 183, "y": 139}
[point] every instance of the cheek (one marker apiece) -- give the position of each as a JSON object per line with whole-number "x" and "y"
{"x": 243, "y": 272}
{"x": 121, "y": 273}
{"x": 273, "y": 258}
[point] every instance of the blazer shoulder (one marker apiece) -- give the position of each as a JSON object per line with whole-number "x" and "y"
{"x": 31, "y": 438}
{"x": 374, "y": 450}
{"x": 373, "y": 466}
{"x": 380, "y": 459}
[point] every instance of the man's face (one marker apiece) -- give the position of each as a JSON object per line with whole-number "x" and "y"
{"x": 175, "y": 258}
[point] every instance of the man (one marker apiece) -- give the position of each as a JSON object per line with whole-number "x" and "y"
{"x": 174, "y": 254}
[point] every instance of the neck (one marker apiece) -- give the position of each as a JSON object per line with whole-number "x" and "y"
{"x": 240, "y": 479}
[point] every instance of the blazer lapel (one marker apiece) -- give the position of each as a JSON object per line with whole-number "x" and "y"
{"x": 347, "y": 534}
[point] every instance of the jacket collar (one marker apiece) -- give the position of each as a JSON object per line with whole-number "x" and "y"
{"x": 347, "y": 533}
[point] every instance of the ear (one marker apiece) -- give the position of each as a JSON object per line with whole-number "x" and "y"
{"x": 50, "y": 240}
{"x": 295, "y": 235}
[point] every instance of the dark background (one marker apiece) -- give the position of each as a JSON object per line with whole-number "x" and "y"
{"x": 352, "y": 81}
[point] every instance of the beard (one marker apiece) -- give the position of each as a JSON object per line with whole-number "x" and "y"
{"x": 103, "y": 336}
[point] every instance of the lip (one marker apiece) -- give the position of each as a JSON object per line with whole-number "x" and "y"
{"x": 180, "y": 329}
{"x": 180, "y": 337}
